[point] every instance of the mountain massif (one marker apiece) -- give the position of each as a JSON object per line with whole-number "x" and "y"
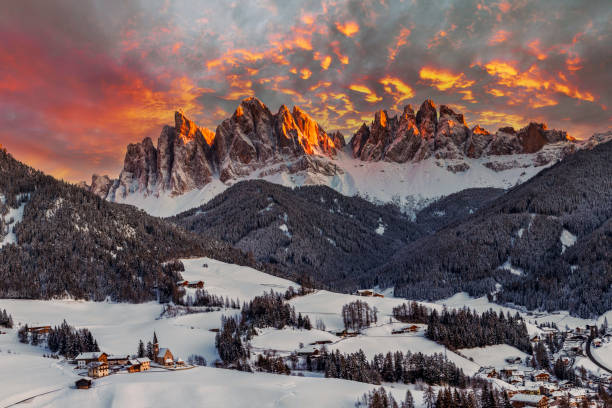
{"x": 290, "y": 148}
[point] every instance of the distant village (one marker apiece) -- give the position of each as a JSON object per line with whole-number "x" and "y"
{"x": 528, "y": 387}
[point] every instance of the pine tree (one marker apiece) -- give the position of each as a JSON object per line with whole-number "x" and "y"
{"x": 429, "y": 397}
{"x": 409, "y": 400}
{"x": 141, "y": 349}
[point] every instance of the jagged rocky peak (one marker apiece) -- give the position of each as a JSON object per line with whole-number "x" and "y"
{"x": 188, "y": 130}
{"x": 414, "y": 137}
{"x": 427, "y": 119}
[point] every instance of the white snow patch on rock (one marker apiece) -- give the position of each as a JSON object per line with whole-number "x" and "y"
{"x": 567, "y": 239}
{"x": 381, "y": 227}
{"x": 512, "y": 269}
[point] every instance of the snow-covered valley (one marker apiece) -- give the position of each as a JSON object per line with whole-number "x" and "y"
{"x": 118, "y": 327}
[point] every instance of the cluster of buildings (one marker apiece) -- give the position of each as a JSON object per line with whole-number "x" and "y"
{"x": 100, "y": 364}
{"x": 538, "y": 388}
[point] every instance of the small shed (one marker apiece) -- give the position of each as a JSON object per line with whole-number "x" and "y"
{"x": 83, "y": 383}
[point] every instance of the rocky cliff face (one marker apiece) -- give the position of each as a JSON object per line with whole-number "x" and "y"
{"x": 443, "y": 134}
{"x": 188, "y": 156}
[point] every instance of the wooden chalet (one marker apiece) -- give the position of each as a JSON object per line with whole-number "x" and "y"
{"x": 117, "y": 359}
{"x": 137, "y": 365}
{"x": 321, "y": 342}
{"x": 83, "y": 383}
{"x": 541, "y": 376}
{"x": 95, "y": 356}
{"x": 196, "y": 284}
{"x": 39, "y": 329}
{"x": 528, "y": 400}
{"x": 97, "y": 369}
{"x": 369, "y": 293}
{"x": 490, "y": 372}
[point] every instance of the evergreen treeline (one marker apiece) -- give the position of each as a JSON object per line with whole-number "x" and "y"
{"x": 464, "y": 328}
{"x": 271, "y": 310}
{"x": 379, "y": 398}
{"x": 71, "y": 241}
{"x": 202, "y": 297}
{"x": 6, "y": 320}
{"x": 64, "y": 339}
{"x": 396, "y": 367}
{"x": 267, "y": 310}
{"x": 358, "y": 314}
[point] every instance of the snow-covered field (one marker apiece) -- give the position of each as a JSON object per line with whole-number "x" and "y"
{"x": 119, "y": 327}
{"x": 493, "y": 356}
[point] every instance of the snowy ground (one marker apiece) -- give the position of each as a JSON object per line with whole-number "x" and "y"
{"x": 493, "y": 356}
{"x": 603, "y": 354}
{"x": 118, "y": 327}
{"x": 215, "y": 387}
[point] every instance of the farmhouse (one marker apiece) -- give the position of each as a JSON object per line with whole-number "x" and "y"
{"x": 85, "y": 358}
{"x": 527, "y": 400}
{"x": 308, "y": 351}
{"x": 137, "y": 365}
{"x": 97, "y": 369}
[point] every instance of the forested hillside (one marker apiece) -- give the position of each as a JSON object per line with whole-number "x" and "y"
{"x": 548, "y": 242}
{"x": 312, "y": 231}
{"x": 69, "y": 242}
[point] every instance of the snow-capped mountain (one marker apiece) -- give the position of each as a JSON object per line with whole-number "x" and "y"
{"x": 409, "y": 159}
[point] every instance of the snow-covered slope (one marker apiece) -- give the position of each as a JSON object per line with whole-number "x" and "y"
{"x": 24, "y": 373}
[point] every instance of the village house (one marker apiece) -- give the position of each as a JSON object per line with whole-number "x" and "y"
{"x": 308, "y": 351}
{"x": 369, "y": 293}
{"x": 530, "y": 389}
{"x": 541, "y": 375}
{"x": 528, "y": 400}
{"x": 137, "y": 365}
{"x": 117, "y": 360}
{"x": 490, "y": 372}
{"x": 85, "y": 358}
{"x": 163, "y": 356}
{"x": 97, "y": 369}
{"x": 191, "y": 284}
{"x": 83, "y": 383}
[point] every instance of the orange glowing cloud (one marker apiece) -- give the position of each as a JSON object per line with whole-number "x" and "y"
{"x": 534, "y": 79}
{"x": 398, "y": 89}
{"x": 305, "y": 73}
{"x": 443, "y": 79}
{"x": 350, "y": 28}
{"x": 400, "y": 41}
{"x": 499, "y": 36}
{"x": 534, "y": 47}
{"x": 326, "y": 62}
{"x": 370, "y": 95}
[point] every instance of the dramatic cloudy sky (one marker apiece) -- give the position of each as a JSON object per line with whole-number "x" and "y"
{"x": 80, "y": 79}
